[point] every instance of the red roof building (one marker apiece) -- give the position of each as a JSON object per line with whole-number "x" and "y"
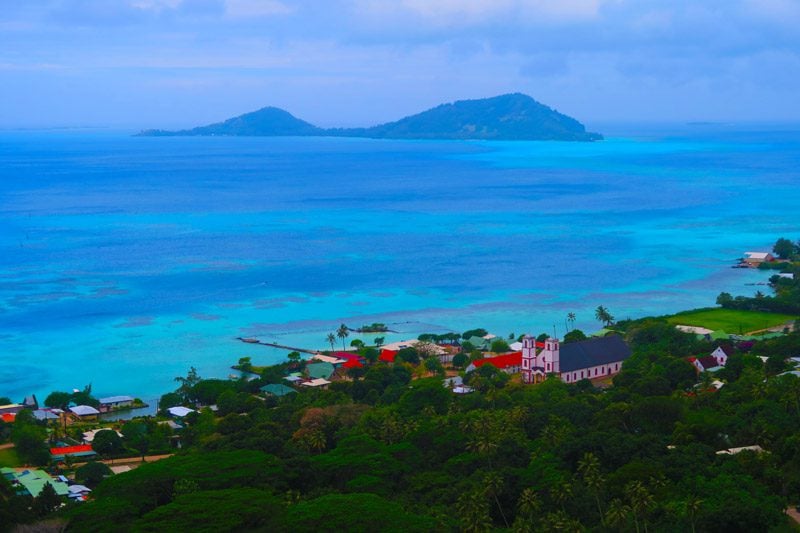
{"x": 387, "y": 356}
{"x": 353, "y": 363}
{"x": 509, "y": 362}
{"x": 8, "y": 417}
{"x": 82, "y": 450}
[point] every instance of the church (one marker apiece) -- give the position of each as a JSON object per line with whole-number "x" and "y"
{"x": 574, "y": 361}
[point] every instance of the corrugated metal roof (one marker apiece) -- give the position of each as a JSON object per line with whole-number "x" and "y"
{"x": 592, "y": 352}
{"x": 84, "y": 410}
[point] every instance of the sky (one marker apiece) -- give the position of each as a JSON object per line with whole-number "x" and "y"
{"x": 180, "y": 63}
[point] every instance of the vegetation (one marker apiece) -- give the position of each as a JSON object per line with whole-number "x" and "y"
{"x": 730, "y": 320}
{"x": 508, "y": 116}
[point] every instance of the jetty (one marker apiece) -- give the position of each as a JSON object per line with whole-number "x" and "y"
{"x": 280, "y": 346}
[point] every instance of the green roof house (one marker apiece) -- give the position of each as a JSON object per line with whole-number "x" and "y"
{"x": 319, "y": 370}
{"x": 277, "y": 389}
{"x": 32, "y": 482}
{"x": 479, "y": 342}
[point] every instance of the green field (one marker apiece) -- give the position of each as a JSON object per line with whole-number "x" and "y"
{"x": 730, "y": 320}
{"x": 8, "y": 457}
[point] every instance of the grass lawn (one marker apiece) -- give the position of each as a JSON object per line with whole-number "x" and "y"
{"x": 8, "y": 457}
{"x": 730, "y": 320}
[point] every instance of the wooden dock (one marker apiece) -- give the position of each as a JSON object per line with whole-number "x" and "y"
{"x": 279, "y": 346}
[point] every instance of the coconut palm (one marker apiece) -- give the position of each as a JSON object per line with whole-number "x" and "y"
{"x": 603, "y": 315}
{"x": 473, "y": 509}
{"x": 343, "y": 333}
{"x": 331, "y": 338}
{"x": 589, "y": 467}
{"x": 640, "y": 500}
{"x": 571, "y": 318}
{"x": 561, "y": 493}
{"x": 617, "y": 513}
{"x": 692, "y": 507}
{"x": 493, "y": 484}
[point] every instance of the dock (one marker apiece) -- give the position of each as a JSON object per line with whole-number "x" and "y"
{"x": 279, "y": 346}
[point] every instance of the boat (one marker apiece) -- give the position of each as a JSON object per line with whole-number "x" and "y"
{"x": 251, "y": 340}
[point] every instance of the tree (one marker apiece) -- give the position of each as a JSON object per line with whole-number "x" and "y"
{"x": 294, "y": 358}
{"x": 356, "y": 343}
{"x": 500, "y": 346}
{"x": 107, "y": 442}
{"x": 724, "y": 299}
{"x": 574, "y": 336}
{"x": 784, "y": 248}
{"x": 460, "y": 360}
{"x": 640, "y": 501}
{"x": 691, "y": 506}
{"x": 617, "y": 514}
{"x": 493, "y": 485}
{"x": 47, "y": 501}
{"x": 58, "y": 400}
{"x": 589, "y": 468}
{"x": 379, "y": 341}
{"x": 187, "y": 383}
{"x": 92, "y": 473}
{"x": 136, "y": 434}
{"x": 473, "y": 510}
{"x": 343, "y": 332}
{"x": 245, "y": 364}
{"x": 29, "y": 441}
{"x": 603, "y": 315}
{"x": 433, "y": 365}
{"x": 331, "y": 338}
{"x": 571, "y": 318}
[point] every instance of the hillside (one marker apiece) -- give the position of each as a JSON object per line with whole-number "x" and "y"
{"x": 506, "y": 117}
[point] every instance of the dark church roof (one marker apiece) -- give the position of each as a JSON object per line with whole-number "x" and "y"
{"x": 593, "y": 352}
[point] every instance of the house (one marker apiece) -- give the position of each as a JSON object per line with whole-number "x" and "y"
{"x": 328, "y": 359}
{"x": 78, "y": 492}
{"x": 387, "y": 356}
{"x": 11, "y": 408}
{"x": 84, "y": 412}
{"x": 47, "y": 414}
{"x": 593, "y": 358}
{"x": 319, "y": 370}
{"x": 60, "y": 453}
{"x": 705, "y": 364}
{"x": 456, "y": 384}
{"x": 314, "y": 383}
{"x": 179, "y": 411}
{"x": 8, "y": 418}
{"x": 32, "y": 482}
{"x": 720, "y": 355}
{"x": 115, "y": 402}
{"x": 276, "y": 389}
{"x": 753, "y": 259}
{"x": 509, "y": 363}
{"x": 479, "y": 343}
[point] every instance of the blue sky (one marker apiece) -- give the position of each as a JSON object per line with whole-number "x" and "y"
{"x": 176, "y": 63}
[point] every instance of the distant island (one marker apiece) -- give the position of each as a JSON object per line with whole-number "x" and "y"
{"x": 506, "y": 117}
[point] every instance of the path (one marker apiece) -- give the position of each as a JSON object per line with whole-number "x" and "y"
{"x": 130, "y": 460}
{"x": 281, "y": 346}
{"x": 6, "y": 446}
{"x": 792, "y": 512}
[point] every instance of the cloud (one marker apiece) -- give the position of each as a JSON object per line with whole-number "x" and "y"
{"x": 255, "y": 8}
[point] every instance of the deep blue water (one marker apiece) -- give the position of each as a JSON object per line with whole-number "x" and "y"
{"x": 125, "y": 260}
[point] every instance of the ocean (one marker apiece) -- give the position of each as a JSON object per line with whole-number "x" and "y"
{"x": 124, "y": 260}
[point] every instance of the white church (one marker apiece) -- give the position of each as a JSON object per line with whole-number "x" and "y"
{"x": 574, "y": 361}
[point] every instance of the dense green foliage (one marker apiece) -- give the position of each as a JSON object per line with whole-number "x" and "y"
{"x": 384, "y": 452}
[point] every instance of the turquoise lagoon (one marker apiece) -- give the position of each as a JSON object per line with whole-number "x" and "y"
{"x": 126, "y": 260}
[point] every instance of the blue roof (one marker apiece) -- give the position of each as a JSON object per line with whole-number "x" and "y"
{"x": 277, "y": 389}
{"x": 116, "y": 399}
{"x": 84, "y": 410}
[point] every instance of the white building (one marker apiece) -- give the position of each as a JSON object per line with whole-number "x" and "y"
{"x": 574, "y": 361}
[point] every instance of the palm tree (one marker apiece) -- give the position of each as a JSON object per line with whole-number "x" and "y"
{"x": 692, "y": 507}
{"x": 561, "y": 493}
{"x": 589, "y": 467}
{"x": 571, "y": 318}
{"x": 617, "y": 513}
{"x": 640, "y": 499}
{"x": 473, "y": 509}
{"x": 343, "y": 333}
{"x": 603, "y": 315}
{"x": 493, "y": 484}
{"x": 331, "y": 339}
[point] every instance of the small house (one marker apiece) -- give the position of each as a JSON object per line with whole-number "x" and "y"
{"x": 276, "y": 389}
{"x": 115, "y": 402}
{"x": 84, "y": 412}
{"x": 32, "y": 482}
{"x": 509, "y": 363}
{"x": 753, "y": 259}
{"x": 179, "y": 411}
{"x": 316, "y": 383}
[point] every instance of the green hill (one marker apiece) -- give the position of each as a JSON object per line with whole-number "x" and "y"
{"x": 506, "y": 117}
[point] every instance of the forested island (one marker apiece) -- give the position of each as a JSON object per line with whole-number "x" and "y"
{"x": 505, "y": 117}
{"x": 664, "y": 445}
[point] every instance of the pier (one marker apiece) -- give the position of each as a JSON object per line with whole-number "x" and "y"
{"x": 280, "y": 346}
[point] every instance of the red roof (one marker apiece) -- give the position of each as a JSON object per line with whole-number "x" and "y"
{"x": 349, "y": 356}
{"x": 68, "y": 450}
{"x": 8, "y": 417}
{"x": 387, "y": 356}
{"x": 353, "y": 363}
{"x": 501, "y": 361}
{"x": 540, "y": 344}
